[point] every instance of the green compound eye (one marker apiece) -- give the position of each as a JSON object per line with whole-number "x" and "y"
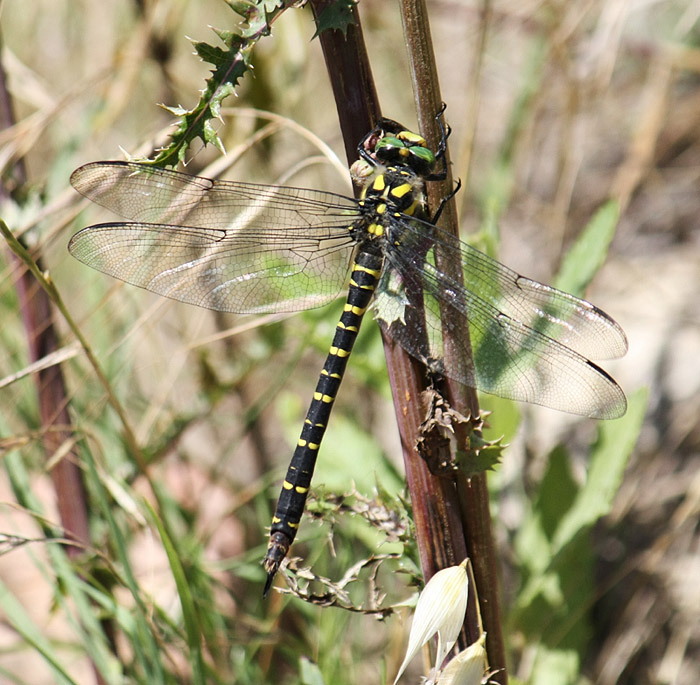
{"x": 389, "y": 143}
{"x": 406, "y": 148}
{"x": 424, "y": 154}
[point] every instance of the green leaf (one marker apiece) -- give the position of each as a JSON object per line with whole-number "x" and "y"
{"x": 557, "y": 491}
{"x": 16, "y": 617}
{"x": 310, "y": 673}
{"x": 588, "y": 253}
{"x": 482, "y": 455}
{"x": 337, "y": 16}
{"x": 230, "y": 63}
{"x": 189, "y": 613}
{"x": 534, "y": 540}
{"x": 351, "y": 455}
{"x": 562, "y": 510}
{"x": 555, "y": 666}
{"x": 555, "y": 553}
{"x": 616, "y": 440}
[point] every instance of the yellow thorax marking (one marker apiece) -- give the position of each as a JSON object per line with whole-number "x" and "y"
{"x": 379, "y": 183}
{"x": 401, "y": 190}
{"x": 410, "y": 210}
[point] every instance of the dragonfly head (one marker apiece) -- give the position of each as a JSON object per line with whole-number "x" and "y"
{"x": 406, "y": 149}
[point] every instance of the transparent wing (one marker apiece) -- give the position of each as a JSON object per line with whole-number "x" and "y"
{"x": 235, "y": 247}
{"x": 573, "y": 322}
{"x": 530, "y": 342}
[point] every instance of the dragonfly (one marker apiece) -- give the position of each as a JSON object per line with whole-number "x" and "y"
{"x": 248, "y": 248}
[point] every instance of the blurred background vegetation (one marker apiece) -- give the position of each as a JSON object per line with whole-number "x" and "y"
{"x": 557, "y": 109}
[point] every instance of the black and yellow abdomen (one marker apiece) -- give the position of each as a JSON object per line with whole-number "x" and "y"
{"x": 290, "y": 506}
{"x": 391, "y": 190}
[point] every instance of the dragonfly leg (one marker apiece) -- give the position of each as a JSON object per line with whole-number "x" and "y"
{"x": 445, "y": 131}
{"x": 445, "y": 200}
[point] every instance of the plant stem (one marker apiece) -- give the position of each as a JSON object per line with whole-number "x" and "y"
{"x": 473, "y": 492}
{"x": 451, "y": 516}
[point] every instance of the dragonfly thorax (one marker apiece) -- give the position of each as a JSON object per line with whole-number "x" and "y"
{"x": 389, "y": 192}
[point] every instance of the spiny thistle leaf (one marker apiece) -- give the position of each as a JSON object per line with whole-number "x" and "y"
{"x": 230, "y": 63}
{"x": 337, "y": 16}
{"x": 482, "y": 455}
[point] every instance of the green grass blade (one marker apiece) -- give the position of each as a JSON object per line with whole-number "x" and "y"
{"x": 189, "y": 613}
{"x": 14, "y": 614}
{"x": 587, "y": 254}
{"x": 609, "y": 457}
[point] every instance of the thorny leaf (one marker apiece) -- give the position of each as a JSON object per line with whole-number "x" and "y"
{"x": 382, "y": 512}
{"x": 481, "y": 456}
{"x": 230, "y": 63}
{"x": 336, "y": 16}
